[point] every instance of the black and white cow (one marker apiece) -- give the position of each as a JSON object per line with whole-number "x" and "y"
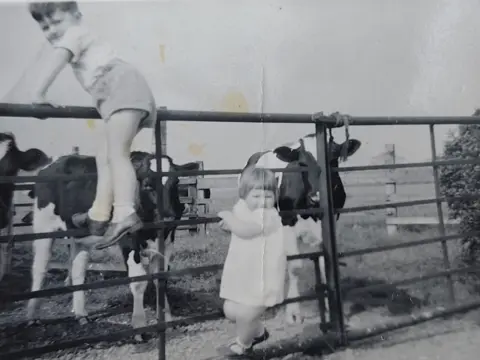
{"x": 12, "y": 160}
{"x": 298, "y": 191}
{"x": 139, "y": 250}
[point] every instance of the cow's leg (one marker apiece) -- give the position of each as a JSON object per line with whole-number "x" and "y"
{"x": 43, "y": 221}
{"x": 42, "y": 249}
{"x": 293, "y": 312}
{"x": 79, "y": 267}
{"x": 72, "y": 252}
{"x": 139, "y": 318}
{"x": 153, "y": 266}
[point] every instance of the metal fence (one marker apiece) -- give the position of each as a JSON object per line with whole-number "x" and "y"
{"x": 336, "y": 332}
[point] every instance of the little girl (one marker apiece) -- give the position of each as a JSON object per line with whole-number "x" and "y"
{"x": 254, "y": 272}
{"x": 124, "y": 101}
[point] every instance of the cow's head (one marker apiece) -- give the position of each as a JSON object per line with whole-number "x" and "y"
{"x": 146, "y": 168}
{"x": 303, "y": 187}
{"x": 12, "y": 159}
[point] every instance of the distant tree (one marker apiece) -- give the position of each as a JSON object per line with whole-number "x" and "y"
{"x": 458, "y": 180}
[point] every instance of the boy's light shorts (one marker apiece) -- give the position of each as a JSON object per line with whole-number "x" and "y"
{"x": 123, "y": 87}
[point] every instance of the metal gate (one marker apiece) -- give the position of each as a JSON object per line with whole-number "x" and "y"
{"x": 337, "y": 333}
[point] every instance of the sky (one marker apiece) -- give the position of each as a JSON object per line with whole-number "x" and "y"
{"x": 364, "y": 58}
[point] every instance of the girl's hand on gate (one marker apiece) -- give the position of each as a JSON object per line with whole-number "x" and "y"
{"x": 224, "y": 223}
{"x": 224, "y": 226}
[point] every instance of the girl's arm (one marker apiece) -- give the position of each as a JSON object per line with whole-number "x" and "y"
{"x": 60, "y": 58}
{"x": 248, "y": 229}
{"x": 243, "y": 229}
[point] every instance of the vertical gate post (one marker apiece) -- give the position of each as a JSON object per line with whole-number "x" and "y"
{"x": 160, "y": 289}
{"x": 328, "y": 234}
{"x": 441, "y": 224}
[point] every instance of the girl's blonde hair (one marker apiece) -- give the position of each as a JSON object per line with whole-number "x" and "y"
{"x": 257, "y": 178}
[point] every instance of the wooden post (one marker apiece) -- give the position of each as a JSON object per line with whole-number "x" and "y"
{"x": 76, "y": 150}
{"x": 201, "y": 197}
{"x": 390, "y": 187}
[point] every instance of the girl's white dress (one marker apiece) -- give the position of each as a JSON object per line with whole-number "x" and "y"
{"x": 254, "y": 270}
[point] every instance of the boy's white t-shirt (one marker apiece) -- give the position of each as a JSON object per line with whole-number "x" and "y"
{"x": 254, "y": 270}
{"x": 90, "y": 54}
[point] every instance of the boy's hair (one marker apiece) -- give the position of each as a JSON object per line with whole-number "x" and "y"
{"x": 42, "y": 10}
{"x": 257, "y": 178}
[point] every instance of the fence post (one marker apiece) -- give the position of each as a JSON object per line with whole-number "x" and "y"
{"x": 328, "y": 234}
{"x": 160, "y": 149}
{"x": 441, "y": 225}
{"x": 390, "y": 188}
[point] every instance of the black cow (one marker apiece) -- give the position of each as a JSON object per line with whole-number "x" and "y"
{"x": 298, "y": 191}
{"x": 12, "y": 159}
{"x": 53, "y": 210}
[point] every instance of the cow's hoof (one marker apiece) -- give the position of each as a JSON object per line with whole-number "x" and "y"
{"x": 293, "y": 314}
{"x": 83, "y": 320}
{"x": 68, "y": 281}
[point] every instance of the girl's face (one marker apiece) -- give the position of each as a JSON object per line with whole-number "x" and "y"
{"x": 55, "y": 25}
{"x": 259, "y": 198}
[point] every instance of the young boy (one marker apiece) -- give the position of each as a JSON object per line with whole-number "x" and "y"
{"x": 124, "y": 101}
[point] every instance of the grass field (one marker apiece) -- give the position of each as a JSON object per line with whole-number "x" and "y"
{"x": 194, "y": 295}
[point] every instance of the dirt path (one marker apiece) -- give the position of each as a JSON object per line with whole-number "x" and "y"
{"x": 461, "y": 345}
{"x": 457, "y": 338}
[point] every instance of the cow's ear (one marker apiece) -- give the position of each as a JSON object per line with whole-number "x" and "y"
{"x": 286, "y": 154}
{"x": 33, "y": 159}
{"x": 353, "y": 146}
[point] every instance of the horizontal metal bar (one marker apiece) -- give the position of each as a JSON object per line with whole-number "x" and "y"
{"x": 115, "y": 336}
{"x": 187, "y": 173}
{"x": 9, "y": 297}
{"x": 79, "y": 233}
{"x": 415, "y": 279}
{"x": 316, "y": 254}
{"x": 23, "y": 205}
{"x": 456, "y": 161}
{"x": 310, "y": 256}
{"x": 408, "y": 244}
{"x": 23, "y": 187}
{"x": 399, "y": 120}
{"x": 214, "y": 219}
{"x": 91, "y": 176}
{"x": 18, "y": 225}
{"x": 80, "y": 112}
{"x": 405, "y": 203}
